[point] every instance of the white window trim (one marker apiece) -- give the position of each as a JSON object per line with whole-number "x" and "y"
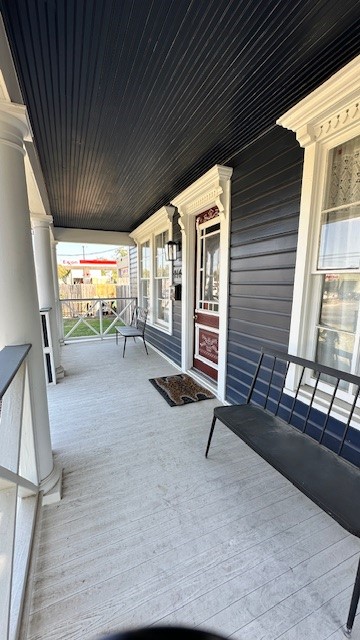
{"x": 324, "y": 119}
{"x": 212, "y": 189}
{"x": 159, "y": 222}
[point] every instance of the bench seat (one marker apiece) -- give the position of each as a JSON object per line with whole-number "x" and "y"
{"x": 330, "y": 481}
{"x": 327, "y": 478}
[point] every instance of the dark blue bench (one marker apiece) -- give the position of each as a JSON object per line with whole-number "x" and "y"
{"x": 289, "y": 429}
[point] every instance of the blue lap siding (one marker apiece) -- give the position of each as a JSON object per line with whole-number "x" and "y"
{"x": 264, "y": 225}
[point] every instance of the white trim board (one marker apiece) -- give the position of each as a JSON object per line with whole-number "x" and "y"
{"x": 212, "y": 189}
{"x": 325, "y": 118}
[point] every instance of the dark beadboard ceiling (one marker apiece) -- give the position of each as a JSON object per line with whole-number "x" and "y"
{"x": 132, "y": 100}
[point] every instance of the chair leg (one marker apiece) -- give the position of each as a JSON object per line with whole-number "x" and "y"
{"x": 124, "y": 346}
{"x": 145, "y": 347}
{"x": 210, "y": 436}
{"x": 353, "y": 604}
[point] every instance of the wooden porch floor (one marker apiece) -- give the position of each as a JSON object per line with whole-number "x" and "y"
{"x": 149, "y": 532}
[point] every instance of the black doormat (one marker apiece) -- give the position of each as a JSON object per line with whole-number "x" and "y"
{"x": 180, "y": 389}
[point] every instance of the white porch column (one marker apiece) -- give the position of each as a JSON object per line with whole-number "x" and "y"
{"x": 59, "y": 319}
{"x": 45, "y": 279}
{"x": 19, "y": 316}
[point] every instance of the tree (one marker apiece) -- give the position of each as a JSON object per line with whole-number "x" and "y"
{"x": 121, "y": 252}
{"x": 63, "y": 272}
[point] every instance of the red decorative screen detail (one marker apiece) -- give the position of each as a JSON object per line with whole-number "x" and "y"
{"x": 209, "y": 345}
{"x": 205, "y": 216}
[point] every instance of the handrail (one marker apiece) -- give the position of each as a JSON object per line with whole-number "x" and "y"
{"x": 11, "y": 359}
{"x": 97, "y": 299}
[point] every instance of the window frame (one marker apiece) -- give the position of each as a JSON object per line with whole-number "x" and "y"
{"x": 142, "y": 279}
{"x": 160, "y": 222}
{"x": 160, "y": 279}
{"x": 326, "y": 118}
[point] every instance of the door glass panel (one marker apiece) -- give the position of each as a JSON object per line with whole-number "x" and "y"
{"x": 210, "y": 272}
{"x": 211, "y": 289}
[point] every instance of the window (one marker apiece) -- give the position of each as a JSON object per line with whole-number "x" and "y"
{"x": 154, "y": 271}
{"x": 338, "y": 259}
{"x": 162, "y": 280}
{"x": 144, "y": 293}
{"x": 325, "y": 320}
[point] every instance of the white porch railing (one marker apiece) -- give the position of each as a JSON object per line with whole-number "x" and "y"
{"x": 94, "y": 318}
{"x": 18, "y": 486}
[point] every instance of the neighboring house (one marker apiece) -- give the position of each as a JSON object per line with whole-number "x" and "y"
{"x": 95, "y": 271}
{"x": 123, "y": 269}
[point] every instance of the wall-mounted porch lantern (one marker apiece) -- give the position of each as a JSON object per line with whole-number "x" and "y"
{"x": 171, "y": 249}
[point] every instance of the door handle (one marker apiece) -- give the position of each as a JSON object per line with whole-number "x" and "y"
{"x": 195, "y": 317}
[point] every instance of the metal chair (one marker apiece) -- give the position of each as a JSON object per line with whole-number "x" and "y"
{"x": 136, "y": 329}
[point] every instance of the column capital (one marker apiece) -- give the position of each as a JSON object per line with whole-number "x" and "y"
{"x": 14, "y": 125}
{"x": 40, "y": 220}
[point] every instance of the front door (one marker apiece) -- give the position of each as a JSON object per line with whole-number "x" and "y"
{"x": 206, "y": 315}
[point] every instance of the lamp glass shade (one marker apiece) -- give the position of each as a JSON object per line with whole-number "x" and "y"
{"x": 170, "y": 251}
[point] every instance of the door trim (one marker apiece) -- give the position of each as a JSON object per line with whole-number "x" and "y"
{"x": 212, "y": 189}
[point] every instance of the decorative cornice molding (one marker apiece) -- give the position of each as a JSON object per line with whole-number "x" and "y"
{"x": 163, "y": 217}
{"x": 206, "y": 192}
{"x": 332, "y": 107}
{"x": 348, "y": 116}
{"x": 41, "y": 220}
{"x": 16, "y": 115}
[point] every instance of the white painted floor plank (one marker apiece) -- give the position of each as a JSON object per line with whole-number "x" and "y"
{"x": 149, "y": 532}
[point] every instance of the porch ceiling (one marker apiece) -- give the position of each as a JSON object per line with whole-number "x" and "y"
{"x": 131, "y": 101}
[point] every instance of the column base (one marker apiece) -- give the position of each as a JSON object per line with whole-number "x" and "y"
{"x": 60, "y": 373}
{"x": 51, "y": 486}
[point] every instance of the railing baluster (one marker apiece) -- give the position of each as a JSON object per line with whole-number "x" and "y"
{"x": 329, "y": 411}
{"x": 270, "y": 382}
{"x": 282, "y": 388}
{"x": 254, "y": 378}
{"x": 353, "y": 406}
{"x": 311, "y": 402}
{"x": 296, "y": 395}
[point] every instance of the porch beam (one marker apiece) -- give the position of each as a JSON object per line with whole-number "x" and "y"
{"x": 93, "y": 236}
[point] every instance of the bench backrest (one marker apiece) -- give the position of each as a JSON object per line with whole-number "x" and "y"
{"x": 326, "y": 417}
{"x": 139, "y": 319}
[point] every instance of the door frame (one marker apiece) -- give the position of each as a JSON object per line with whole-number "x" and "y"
{"x": 212, "y": 189}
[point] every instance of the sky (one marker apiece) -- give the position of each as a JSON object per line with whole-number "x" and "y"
{"x": 75, "y": 251}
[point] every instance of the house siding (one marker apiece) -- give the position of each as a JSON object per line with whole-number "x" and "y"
{"x": 266, "y": 188}
{"x": 133, "y": 272}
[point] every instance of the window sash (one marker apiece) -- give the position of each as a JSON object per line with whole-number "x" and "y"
{"x": 161, "y": 281}
{"x": 154, "y": 280}
{"x": 337, "y": 328}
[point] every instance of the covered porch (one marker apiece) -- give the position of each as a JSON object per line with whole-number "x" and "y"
{"x": 150, "y": 532}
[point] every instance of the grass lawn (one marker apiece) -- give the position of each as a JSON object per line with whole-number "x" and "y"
{"x": 83, "y": 330}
